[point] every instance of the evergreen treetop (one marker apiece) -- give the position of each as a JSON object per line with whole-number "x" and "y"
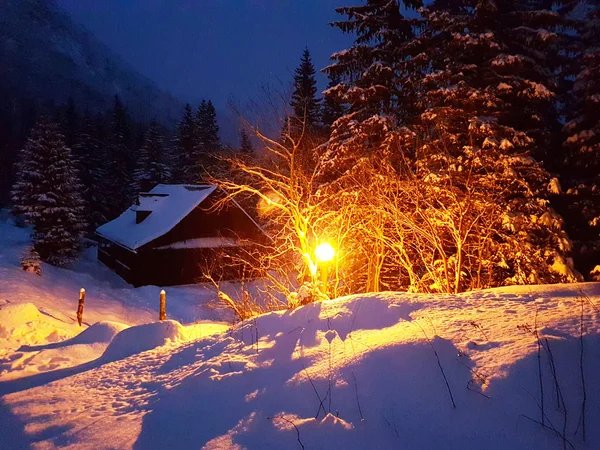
{"x": 152, "y": 168}
{"x": 304, "y": 101}
{"x": 184, "y": 144}
{"x": 207, "y": 127}
{"x": 246, "y": 146}
{"x": 369, "y": 78}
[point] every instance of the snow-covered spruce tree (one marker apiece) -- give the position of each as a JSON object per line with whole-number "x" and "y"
{"x": 481, "y": 103}
{"x": 581, "y": 168}
{"x": 184, "y": 164}
{"x": 370, "y": 82}
{"x": 47, "y": 194}
{"x": 355, "y": 163}
{"x": 484, "y": 76}
{"x": 152, "y": 168}
{"x": 332, "y": 108}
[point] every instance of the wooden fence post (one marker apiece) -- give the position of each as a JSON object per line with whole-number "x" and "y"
{"x": 80, "y": 306}
{"x": 162, "y": 315}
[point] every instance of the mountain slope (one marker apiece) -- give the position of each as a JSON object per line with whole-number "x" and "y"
{"x": 47, "y": 58}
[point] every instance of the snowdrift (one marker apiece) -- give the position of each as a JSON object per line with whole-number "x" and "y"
{"x": 142, "y": 338}
{"x": 38, "y": 328}
{"x": 389, "y": 370}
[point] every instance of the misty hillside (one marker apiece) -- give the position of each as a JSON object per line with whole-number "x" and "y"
{"x": 46, "y": 58}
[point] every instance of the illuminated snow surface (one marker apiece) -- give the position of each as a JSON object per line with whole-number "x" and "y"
{"x": 354, "y": 373}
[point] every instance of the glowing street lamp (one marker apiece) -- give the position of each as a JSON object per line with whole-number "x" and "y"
{"x": 324, "y": 253}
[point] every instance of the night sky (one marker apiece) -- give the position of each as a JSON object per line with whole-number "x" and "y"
{"x": 217, "y": 49}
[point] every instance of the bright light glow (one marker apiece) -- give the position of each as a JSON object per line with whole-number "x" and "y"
{"x": 268, "y": 203}
{"x": 324, "y": 252}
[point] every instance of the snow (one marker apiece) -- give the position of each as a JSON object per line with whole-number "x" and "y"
{"x": 152, "y": 335}
{"x": 37, "y": 313}
{"x": 206, "y": 242}
{"x": 166, "y": 213}
{"x": 537, "y": 90}
{"x": 365, "y": 371}
{"x": 554, "y": 186}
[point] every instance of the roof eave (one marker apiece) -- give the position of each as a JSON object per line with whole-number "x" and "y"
{"x": 133, "y": 250}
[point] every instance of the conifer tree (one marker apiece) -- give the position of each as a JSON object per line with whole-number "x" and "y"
{"x": 47, "y": 194}
{"x": 582, "y": 143}
{"x": 152, "y": 168}
{"x": 580, "y": 172}
{"x": 305, "y": 104}
{"x": 70, "y": 122}
{"x": 208, "y": 143}
{"x": 460, "y": 110}
{"x": 184, "y": 164}
{"x": 90, "y": 154}
{"x": 488, "y": 88}
{"x": 371, "y": 82}
{"x": 207, "y": 127}
{"x": 246, "y": 147}
{"x": 333, "y": 108}
{"x": 121, "y": 159}
{"x": 368, "y": 71}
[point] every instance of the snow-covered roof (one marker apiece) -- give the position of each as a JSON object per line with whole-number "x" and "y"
{"x": 169, "y": 204}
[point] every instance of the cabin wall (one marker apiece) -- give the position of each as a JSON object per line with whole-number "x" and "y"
{"x": 187, "y": 266}
{"x": 122, "y": 261}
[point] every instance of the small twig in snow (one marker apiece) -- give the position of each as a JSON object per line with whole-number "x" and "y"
{"x": 475, "y": 390}
{"x": 539, "y": 358}
{"x": 394, "y": 427}
{"x": 583, "y": 400}
{"x": 294, "y": 425}
{"x": 362, "y": 418}
{"x": 558, "y": 390}
{"x": 291, "y": 331}
{"x": 439, "y": 364}
{"x": 482, "y": 378}
{"x": 589, "y": 300}
{"x": 256, "y": 328}
{"x": 565, "y": 440}
{"x": 432, "y": 325}
{"x": 553, "y": 370}
{"x": 480, "y": 328}
{"x": 317, "y": 394}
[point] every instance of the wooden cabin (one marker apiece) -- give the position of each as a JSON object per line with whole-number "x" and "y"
{"x": 175, "y": 235}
